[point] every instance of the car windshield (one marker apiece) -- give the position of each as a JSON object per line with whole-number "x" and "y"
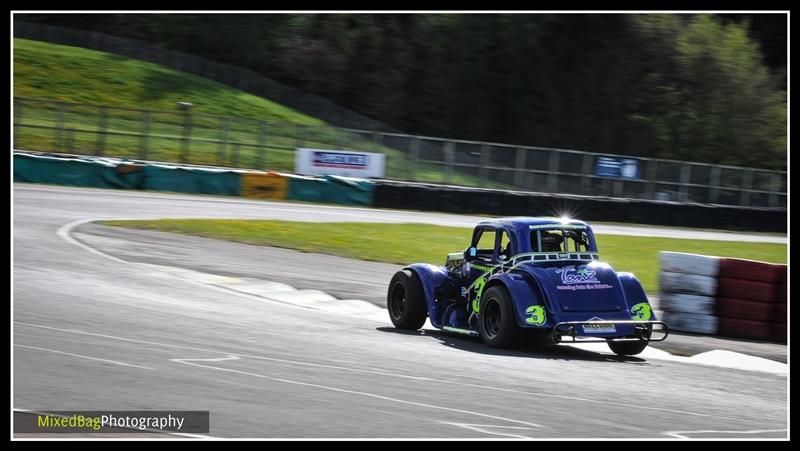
{"x": 559, "y": 240}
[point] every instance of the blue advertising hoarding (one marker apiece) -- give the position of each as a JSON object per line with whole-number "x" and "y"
{"x": 623, "y": 168}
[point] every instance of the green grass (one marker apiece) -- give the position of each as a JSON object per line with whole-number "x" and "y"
{"x": 408, "y": 243}
{"x": 72, "y": 74}
{"x": 75, "y": 74}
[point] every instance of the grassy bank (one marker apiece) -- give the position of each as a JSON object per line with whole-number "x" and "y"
{"x": 72, "y": 74}
{"x": 408, "y": 243}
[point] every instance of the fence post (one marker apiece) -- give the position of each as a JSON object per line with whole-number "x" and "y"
{"x": 414, "y": 149}
{"x": 651, "y": 177}
{"x": 101, "y": 131}
{"x": 747, "y": 182}
{"x": 449, "y": 156}
{"x": 775, "y": 182}
{"x": 59, "y": 132}
{"x": 587, "y": 173}
{"x": 301, "y": 135}
{"x": 69, "y": 140}
{"x": 686, "y": 173}
{"x": 552, "y": 168}
{"x": 144, "y": 132}
{"x": 377, "y": 137}
{"x": 483, "y": 173}
{"x": 17, "y": 121}
{"x": 235, "y": 152}
{"x": 186, "y": 135}
{"x": 519, "y": 173}
{"x": 713, "y": 193}
{"x": 223, "y": 142}
{"x": 262, "y": 145}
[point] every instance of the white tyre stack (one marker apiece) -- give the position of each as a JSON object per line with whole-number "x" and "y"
{"x": 688, "y": 286}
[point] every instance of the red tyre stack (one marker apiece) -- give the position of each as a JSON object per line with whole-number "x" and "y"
{"x": 748, "y": 299}
{"x": 780, "y": 309}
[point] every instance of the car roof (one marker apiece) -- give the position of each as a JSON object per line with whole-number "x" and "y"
{"x": 518, "y": 222}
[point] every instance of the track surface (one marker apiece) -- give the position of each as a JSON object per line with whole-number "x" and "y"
{"x": 92, "y": 332}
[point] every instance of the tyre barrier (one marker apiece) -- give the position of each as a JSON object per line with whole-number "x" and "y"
{"x": 780, "y": 309}
{"x": 687, "y": 285}
{"x": 778, "y": 333}
{"x": 704, "y": 265}
{"x": 331, "y": 189}
{"x": 781, "y": 293}
{"x": 97, "y": 172}
{"x": 737, "y": 268}
{"x": 747, "y": 298}
{"x": 456, "y": 199}
{"x": 94, "y": 173}
{"x": 779, "y": 313}
{"x": 747, "y": 301}
{"x": 419, "y": 196}
{"x": 746, "y": 289}
{"x": 687, "y": 303}
{"x": 691, "y": 322}
{"x": 743, "y": 328}
{"x": 678, "y": 282}
{"x": 745, "y": 309}
{"x": 753, "y": 298}
{"x": 264, "y": 185}
{"x": 783, "y": 275}
{"x": 179, "y": 179}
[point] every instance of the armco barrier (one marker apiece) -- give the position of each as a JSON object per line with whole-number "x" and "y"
{"x": 452, "y": 199}
{"x": 98, "y": 173}
{"x": 192, "y": 180}
{"x": 333, "y": 189}
{"x": 264, "y": 185}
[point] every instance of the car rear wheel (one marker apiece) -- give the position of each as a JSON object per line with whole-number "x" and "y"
{"x": 497, "y": 325}
{"x": 627, "y": 347}
{"x": 406, "y": 301}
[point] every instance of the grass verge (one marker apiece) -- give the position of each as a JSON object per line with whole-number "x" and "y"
{"x": 409, "y": 243}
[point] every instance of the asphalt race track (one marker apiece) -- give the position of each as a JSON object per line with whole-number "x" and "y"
{"x": 96, "y": 329}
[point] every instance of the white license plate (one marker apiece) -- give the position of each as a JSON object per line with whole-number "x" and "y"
{"x": 598, "y": 328}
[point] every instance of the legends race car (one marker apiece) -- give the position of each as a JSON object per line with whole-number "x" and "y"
{"x": 540, "y": 276}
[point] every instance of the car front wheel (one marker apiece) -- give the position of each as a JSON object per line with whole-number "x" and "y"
{"x": 406, "y": 301}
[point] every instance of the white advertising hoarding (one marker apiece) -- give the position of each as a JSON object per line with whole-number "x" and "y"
{"x": 335, "y": 162}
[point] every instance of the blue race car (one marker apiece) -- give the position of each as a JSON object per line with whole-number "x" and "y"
{"x": 540, "y": 276}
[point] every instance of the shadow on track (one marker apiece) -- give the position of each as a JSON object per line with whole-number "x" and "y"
{"x": 525, "y": 348}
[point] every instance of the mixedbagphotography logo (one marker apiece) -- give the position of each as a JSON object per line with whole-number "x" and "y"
{"x": 196, "y": 422}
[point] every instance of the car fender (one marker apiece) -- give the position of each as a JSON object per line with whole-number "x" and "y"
{"x": 435, "y": 280}
{"x": 529, "y": 305}
{"x": 637, "y": 303}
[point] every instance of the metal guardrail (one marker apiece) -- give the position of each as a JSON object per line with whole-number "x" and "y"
{"x": 187, "y": 137}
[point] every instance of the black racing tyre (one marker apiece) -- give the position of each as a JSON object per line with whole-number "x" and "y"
{"x": 496, "y": 321}
{"x": 627, "y": 347}
{"x": 406, "y": 301}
